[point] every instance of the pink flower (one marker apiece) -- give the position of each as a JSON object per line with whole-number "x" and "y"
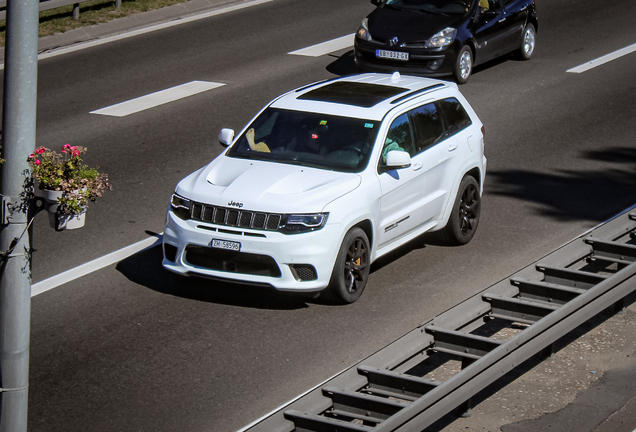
{"x": 37, "y": 162}
{"x": 32, "y": 155}
{"x": 40, "y": 150}
{"x": 65, "y": 147}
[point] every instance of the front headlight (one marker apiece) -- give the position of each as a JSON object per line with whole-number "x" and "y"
{"x": 363, "y": 31}
{"x": 443, "y": 38}
{"x": 180, "y": 206}
{"x": 301, "y": 223}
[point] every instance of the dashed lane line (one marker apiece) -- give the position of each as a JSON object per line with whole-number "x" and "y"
{"x": 96, "y": 264}
{"x": 602, "y": 60}
{"x": 158, "y": 98}
{"x": 326, "y": 47}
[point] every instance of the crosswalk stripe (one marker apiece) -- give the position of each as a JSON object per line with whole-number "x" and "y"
{"x": 326, "y": 47}
{"x": 158, "y": 98}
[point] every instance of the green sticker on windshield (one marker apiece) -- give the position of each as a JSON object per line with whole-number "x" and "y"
{"x": 368, "y": 125}
{"x": 323, "y": 122}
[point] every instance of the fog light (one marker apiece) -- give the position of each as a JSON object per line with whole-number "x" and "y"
{"x": 434, "y": 65}
{"x": 303, "y": 272}
{"x": 169, "y": 252}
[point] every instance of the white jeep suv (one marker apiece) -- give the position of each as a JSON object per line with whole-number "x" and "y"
{"x": 328, "y": 178}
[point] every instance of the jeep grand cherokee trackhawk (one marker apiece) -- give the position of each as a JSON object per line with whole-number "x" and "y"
{"x": 326, "y": 179}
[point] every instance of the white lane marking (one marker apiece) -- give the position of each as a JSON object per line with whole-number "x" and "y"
{"x": 96, "y": 264}
{"x": 158, "y": 98}
{"x": 602, "y": 60}
{"x": 133, "y": 33}
{"x": 326, "y": 47}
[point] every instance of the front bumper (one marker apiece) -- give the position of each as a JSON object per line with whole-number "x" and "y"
{"x": 421, "y": 61}
{"x": 297, "y": 262}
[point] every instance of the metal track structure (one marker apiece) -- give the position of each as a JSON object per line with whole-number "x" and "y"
{"x": 392, "y": 390}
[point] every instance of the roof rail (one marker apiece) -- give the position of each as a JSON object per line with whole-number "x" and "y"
{"x": 416, "y": 92}
{"x": 315, "y": 84}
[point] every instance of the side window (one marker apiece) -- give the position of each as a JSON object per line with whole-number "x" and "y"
{"x": 428, "y": 126}
{"x": 455, "y": 117}
{"x": 399, "y": 137}
{"x": 495, "y": 4}
{"x": 265, "y": 129}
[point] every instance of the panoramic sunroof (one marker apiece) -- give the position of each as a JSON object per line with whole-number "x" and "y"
{"x": 353, "y": 93}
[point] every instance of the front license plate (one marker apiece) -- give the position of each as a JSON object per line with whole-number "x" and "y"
{"x": 393, "y": 55}
{"x": 227, "y": 245}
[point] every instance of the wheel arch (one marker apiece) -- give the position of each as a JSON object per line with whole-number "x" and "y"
{"x": 475, "y": 173}
{"x": 367, "y": 227}
{"x": 535, "y": 23}
{"x": 470, "y": 43}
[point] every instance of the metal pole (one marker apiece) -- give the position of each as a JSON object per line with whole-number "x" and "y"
{"x": 18, "y": 130}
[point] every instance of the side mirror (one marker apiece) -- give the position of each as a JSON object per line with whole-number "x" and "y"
{"x": 226, "y": 136}
{"x": 396, "y": 159}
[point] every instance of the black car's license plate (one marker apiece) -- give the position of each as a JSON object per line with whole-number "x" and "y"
{"x": 393, "y": 55}
{"x": 227, "y": 245}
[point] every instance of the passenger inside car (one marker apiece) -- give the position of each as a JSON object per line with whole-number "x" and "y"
{"x": 260, "y": 147}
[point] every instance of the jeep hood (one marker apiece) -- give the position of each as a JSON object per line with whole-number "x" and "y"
{"x": 266, "y": 186}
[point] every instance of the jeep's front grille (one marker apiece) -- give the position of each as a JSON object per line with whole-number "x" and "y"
{"x": 234, "y": 217}
{"x": 231, "y": 261}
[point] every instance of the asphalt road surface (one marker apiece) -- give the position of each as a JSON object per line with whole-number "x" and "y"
{"x": 132, "y": 347}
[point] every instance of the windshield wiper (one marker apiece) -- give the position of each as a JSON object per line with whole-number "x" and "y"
{"x": 424, "y": 11}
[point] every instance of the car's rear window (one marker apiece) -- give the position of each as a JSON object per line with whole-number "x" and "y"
{"x": 455, "y": 115}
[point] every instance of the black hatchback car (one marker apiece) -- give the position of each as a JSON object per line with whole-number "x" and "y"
{"x": 444, "y": 37}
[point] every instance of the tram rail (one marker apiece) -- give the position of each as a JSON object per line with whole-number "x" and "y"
{"x": 487, "y": 336}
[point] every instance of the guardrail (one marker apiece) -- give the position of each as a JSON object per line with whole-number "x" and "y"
{"x": 392, "y": 390}
{"x": 52, "y": 4}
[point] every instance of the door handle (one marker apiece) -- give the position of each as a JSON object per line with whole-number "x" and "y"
{"x": 417, "y": 166}
{"x": 501, "y": 20}
{"x": 452, "y": 146}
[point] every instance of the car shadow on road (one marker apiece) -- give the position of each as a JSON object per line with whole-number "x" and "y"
{"x": 591, "y": 194}
{"x": 343, "y": 65}
{"x": 145, "y": 269}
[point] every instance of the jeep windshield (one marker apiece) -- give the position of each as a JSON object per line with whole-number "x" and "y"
{"x": 441, "y": 7}
{"x": 308, "y": 139}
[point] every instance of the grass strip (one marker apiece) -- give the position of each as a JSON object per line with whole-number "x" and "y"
{"x": 92, "y": 12}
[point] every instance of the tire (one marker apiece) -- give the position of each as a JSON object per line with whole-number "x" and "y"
{"x": 464, "y": 218}
{"x": 351, "y": 269}
{"x": 464, "y": 65}
{"x": 528, "y": 42}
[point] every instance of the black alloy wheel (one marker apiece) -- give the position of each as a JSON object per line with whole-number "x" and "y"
{"x": 351, "y": 269}
{"x": 463, "y": 221}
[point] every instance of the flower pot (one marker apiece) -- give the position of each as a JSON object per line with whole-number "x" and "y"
{"x": 50, "y": 199}
{"x": 69, "y": 221}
